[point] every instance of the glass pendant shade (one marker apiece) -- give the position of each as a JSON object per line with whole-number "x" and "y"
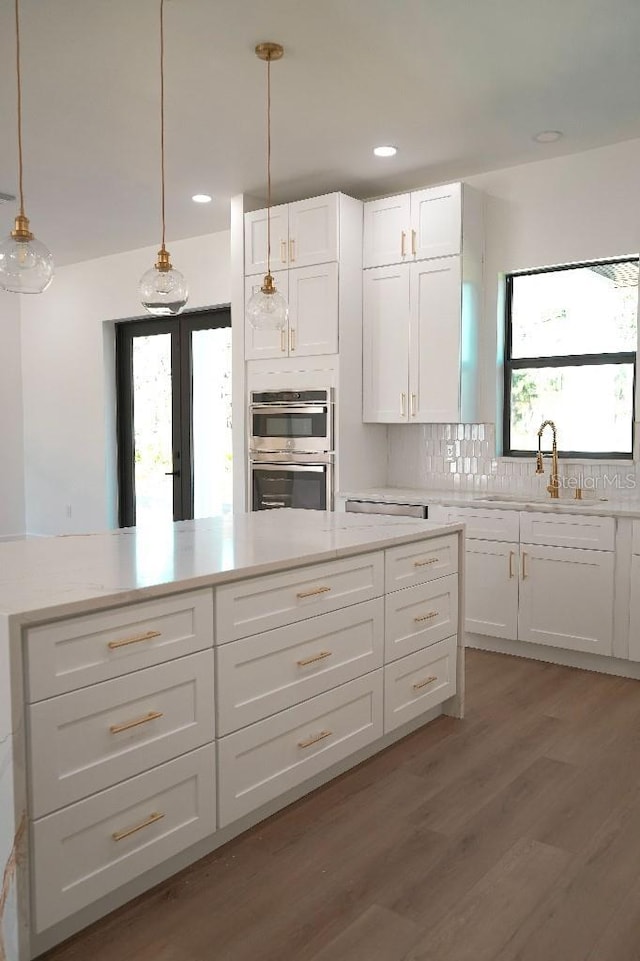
{"x": 267, "y": 309}
{"x": 163, "y": 289}
{"x": 26, "y": 265}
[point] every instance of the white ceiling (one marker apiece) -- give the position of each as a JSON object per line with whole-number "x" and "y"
{"x": 460, "y": 86}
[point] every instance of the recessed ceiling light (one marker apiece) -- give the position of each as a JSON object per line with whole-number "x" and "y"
{"x": 201, "y": 198}
{"x": 385, "y": 151}
{"x": 548, "y": 136}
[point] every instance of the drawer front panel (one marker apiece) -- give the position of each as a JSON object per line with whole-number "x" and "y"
{"x": 264, "y": 760}
{"x": 420, "y": 616}
{"x": 90, "y": 739}
{"x": 273, "y": 671}
{"x": 80, "y": 651}
{"x": 420, "y": 561}
{"x": 418, "y": 682}
{"x": 91, "y": 848}
{"x": 262, "y": 603}
{"x": 482, "y": 523}
{"x": 568, "y": 530}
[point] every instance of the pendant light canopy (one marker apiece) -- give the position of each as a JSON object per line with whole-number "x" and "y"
{"x": 26, "y": 265}
{"x": 163, "y": 289}
{"x": 267, "y": 309}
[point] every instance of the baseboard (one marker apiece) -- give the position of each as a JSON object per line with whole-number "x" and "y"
{"x": 12, "y": 537}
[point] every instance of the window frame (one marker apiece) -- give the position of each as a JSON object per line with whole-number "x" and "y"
{"x": 560, "y": 360}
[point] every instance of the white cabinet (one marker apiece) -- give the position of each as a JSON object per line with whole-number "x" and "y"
{"x": 634, "y": 609}
{"x": 312, "y": 294}
{"x": 421, "y": 309}
{"x": 303, "y": 234}
{"x": 492, "y": 588}
{"x": 416, "y": 226}
{"x": 412, "y": 343}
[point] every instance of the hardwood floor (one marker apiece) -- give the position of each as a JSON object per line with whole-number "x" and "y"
{"x": 513, "y": 835}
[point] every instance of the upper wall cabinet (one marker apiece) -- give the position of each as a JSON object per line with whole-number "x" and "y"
{"x": 303, "y": 234}
{"x": 416, "y": 226}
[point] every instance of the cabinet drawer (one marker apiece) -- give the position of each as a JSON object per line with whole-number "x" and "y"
{"x": 91, "y": 848}
{"x": 568, "y": 530}
{"x": 420, "y": 616}
{"x": 483, "y": 524}
{"x": 418, "y": 682}
{"x": 269, "y": 672}
{"x": 88, "y": 740}
{"x": 262, "y": 603}
{"x": 265, "y": 760}
{"x": 73, "y": 653}
{"x": 420, "y": 561}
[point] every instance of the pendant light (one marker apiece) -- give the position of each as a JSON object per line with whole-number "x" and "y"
{"x": 26, "y": 265}
{"x": 267, "y": 309}
{"x": 163, "y": 289}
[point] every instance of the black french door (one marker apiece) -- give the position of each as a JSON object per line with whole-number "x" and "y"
{"x": 174, "y": 416}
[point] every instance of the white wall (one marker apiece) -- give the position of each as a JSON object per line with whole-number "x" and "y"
{"x": 68, "y": 377}
{"x": 12, "y": 513}
{"x": 580, "y": 207}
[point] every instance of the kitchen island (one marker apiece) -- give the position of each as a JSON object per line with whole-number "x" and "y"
{"x": 163, "y": 690}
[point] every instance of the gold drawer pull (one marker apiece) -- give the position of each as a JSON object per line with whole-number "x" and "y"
{"x": 403, "y": 238}
{"x": 428, "y": 680}
{"x": 292, "y": 251}
{"x": 134, "y": 639}
{"x": 127, "y": 725}
{"x": 311, "y": 660}
{"x": 283, "y": 251}
{"x": 431, "y": 560}
{"x": 316, "y": 590}
{"x": 427, "y": 617}
{"x": 314, "y": 740}
{"x": 121, "y": 835}
{"x": 283, "y": 340}
{"x": 413, "y": 243}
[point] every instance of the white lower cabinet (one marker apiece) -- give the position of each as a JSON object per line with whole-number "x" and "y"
{"x": 89, "y": 849}
{"x": 491, "y": 602}
{"x": 266, "y": 759}
{"x": 418, "y": 682}
{"x": 420, "y": 616}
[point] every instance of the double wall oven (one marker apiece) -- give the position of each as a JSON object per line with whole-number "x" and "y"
{"x": 291, "y": 449}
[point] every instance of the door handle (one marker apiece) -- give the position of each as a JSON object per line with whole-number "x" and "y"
{"x": 292, "y": 251}
{"x": 413, "y": 404}
{"x": 524, "y": 565}
{"x": 413, "y": 243}
{"x": 403, "y": 405}
{"x": 283, "y": 251}
{"x": 511, "y": 556}
{"x": 403, "y": 238}
{"x": 172, "y": 473}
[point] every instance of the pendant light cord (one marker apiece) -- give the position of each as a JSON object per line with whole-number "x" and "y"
{"x": 19, "y": 87}
{"x": 269, "y": 165}
{"x": 161, "y": 117}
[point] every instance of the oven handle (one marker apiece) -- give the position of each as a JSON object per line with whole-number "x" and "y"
{"x": 282, "y": 408}
{"x": 314, "y": 468}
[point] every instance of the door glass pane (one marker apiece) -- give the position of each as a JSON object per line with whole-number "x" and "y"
{"x": 212, "y": 450}
{"x": 152, "y": 428}
{"x": 592, "y": 406}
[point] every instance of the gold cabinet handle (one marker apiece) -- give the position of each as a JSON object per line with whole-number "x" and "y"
{"x": 314, "y": 739}
{"x": 414, "y": 250}
{"x": 283, "y": 251}
{"x": 430, "y": 560}
{"x": 426, "y": 617}
{"x": 316, "y": 590}
{"x": 403, "y": 240}
{"x": 292, "y": 251}
{"x": 524, "y": 565}
{"x": 428, "y": 680}
{"x": 292, "y": 339}
{"x": 312, "y": 660}
{"x": 127, "y": 725}
{"x": 134, "y": 639}
{"x": 283, "y": 340}
{"x": 403, "y": 405}
{"x": 511, "y": 556}
{"x": 121, "y": 835}
{"x": 414, "y": 399}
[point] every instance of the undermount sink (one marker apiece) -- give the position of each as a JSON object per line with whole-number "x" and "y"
{"x": 534, "y": 501}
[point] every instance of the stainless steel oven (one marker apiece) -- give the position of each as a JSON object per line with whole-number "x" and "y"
{"x": 302, "y": 481}
{"x": 295, "y": 421}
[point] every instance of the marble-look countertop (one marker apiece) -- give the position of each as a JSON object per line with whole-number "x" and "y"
{"x": 590, "y": 504}
{"x": 57, "y": 576}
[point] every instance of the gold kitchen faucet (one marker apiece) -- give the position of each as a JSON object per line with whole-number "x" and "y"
{"x": 554, "y": 482}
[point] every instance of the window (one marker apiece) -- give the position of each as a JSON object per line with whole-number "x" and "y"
{"x": 570, "y": 356}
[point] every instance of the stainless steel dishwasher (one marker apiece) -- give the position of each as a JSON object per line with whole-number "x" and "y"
{"x": 384, "y": 507}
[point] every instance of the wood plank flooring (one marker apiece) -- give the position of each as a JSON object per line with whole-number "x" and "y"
{"x": 513, "y": 835}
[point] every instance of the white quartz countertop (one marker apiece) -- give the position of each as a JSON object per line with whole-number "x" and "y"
{"x": 57, "y": 576}
{"x": 591, "y": 503}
